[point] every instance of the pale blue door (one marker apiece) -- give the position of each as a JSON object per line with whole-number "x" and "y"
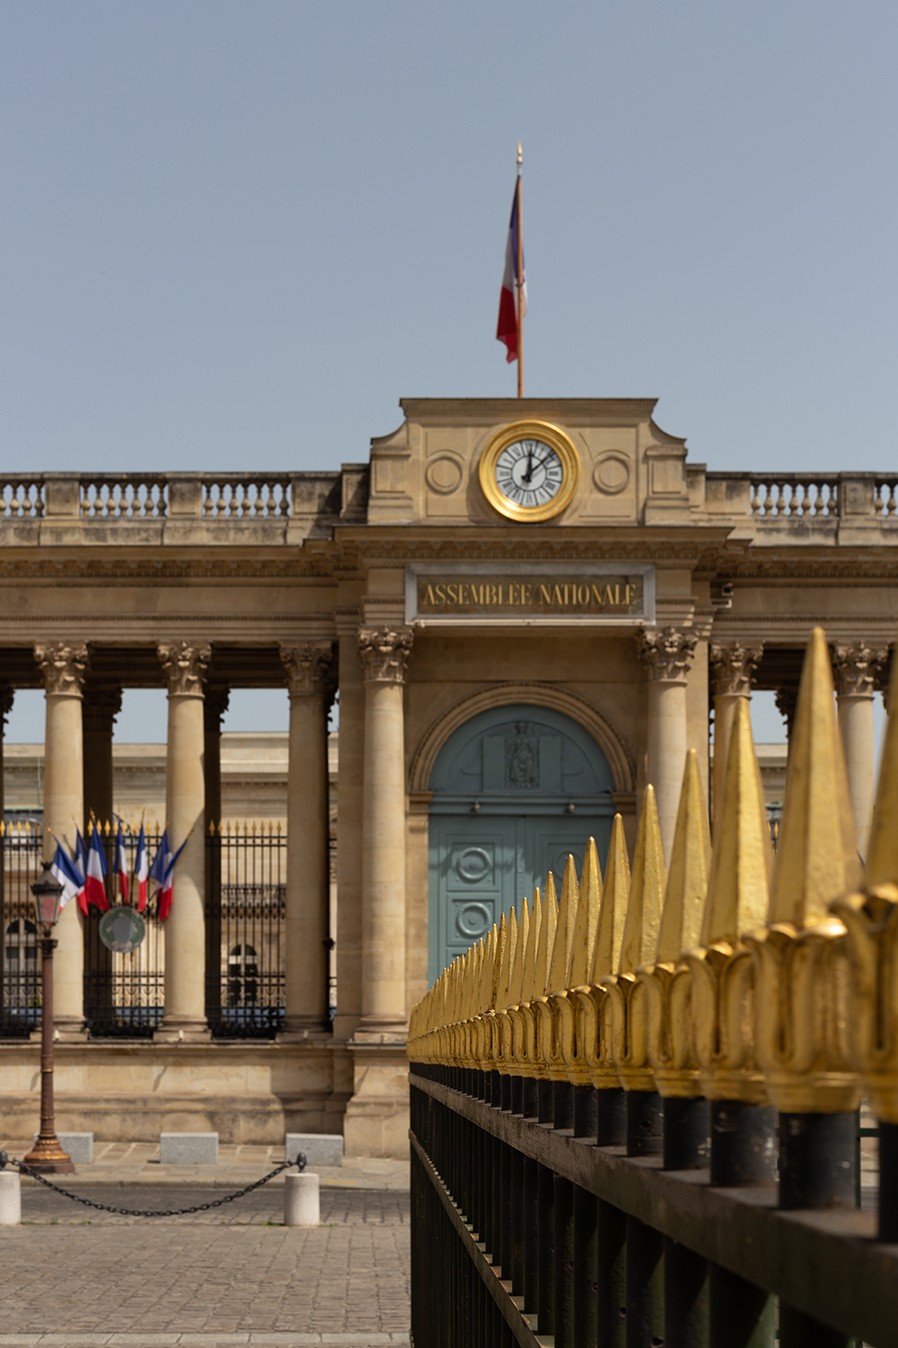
{"x": 515, "y": 790}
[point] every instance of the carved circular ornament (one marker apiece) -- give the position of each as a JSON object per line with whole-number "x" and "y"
{"x": 611, "y": 473}
{"x": 529, "y": 471}
{"x": 122, "y": 929}
{"x": 444, "y": 474}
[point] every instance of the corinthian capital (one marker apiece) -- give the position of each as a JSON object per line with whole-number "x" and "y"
{"x": 667, "y": 654}
{"x": 733, "y": 668}
{"x": 311, "y": 669}
{"x": 384, "y": 653}
{"x": 63, "y": 665}
{"x": 185, "y": 666}
{"x": 857, "y": 669}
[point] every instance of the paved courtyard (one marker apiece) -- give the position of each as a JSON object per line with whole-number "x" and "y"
{"x": 75, "y": 1277}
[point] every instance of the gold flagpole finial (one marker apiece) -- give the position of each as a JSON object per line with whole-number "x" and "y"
{"x": 520, "y": 156}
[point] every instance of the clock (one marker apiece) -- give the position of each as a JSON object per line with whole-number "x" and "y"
{"x": 529, "y": 471}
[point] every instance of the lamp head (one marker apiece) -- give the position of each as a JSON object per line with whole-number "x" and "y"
{"x": 47, "y": 893}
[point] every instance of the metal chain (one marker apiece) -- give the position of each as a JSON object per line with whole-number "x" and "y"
{"x": 300, "y": 1162}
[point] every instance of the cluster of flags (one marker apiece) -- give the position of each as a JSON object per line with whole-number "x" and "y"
{"x": 83, "y": 876}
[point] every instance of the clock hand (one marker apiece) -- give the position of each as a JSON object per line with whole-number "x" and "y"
{"x": 529, "y": 473}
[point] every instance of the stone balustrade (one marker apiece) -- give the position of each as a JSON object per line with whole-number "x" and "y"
{"x": 766, "y": 506}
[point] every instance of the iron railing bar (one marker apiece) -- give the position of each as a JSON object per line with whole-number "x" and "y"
{"x": 823, "y": 1263}
{"x": 509, "y": 1306}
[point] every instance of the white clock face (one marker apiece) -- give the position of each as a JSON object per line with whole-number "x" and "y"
{"x": 529, "y": 473}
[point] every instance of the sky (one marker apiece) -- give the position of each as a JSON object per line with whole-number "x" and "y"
{"x": 233, "y": 235}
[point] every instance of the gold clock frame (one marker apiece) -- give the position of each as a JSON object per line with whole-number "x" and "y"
{"x": 550, "y": 435}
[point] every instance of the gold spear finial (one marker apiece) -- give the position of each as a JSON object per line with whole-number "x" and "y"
{"x": 546, "y": 938}
{"x": 520, "y": 156}
{"x": 584, "y": 944}
{"x": 687, "y": 882}
{"x": 564, "y": 932}
{"x": 531, "y": 953}
{"x": 816, "y": 859}
{"x": 610, "y": 929}
{"x": 503, "y": 995}
{"x": 738, "y": 888}
{"x": 520, "y": 953}
{"x": 647, "y": 884}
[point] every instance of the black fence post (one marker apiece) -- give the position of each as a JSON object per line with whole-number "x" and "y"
{"x": 743, "y": 1152}
{"x": 817, "y": 1160}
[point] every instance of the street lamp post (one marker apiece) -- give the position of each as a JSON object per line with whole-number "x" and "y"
{"x": 47, "y": 1156}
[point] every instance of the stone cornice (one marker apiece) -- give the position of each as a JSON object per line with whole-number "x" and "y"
{"x": 516, "y": 409}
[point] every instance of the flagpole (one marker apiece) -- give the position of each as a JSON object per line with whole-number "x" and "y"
{"x": 520, "y": 276}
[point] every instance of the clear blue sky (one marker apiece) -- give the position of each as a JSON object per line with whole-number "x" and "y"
{"x": 235, "y": 234}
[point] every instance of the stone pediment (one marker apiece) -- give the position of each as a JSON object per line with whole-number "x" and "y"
{"x": 427, "y": 471}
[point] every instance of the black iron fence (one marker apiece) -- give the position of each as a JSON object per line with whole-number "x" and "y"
{"x": 245, "y": 954}
{"x": 20, "y": 865}
{"x": 124, "y": 994}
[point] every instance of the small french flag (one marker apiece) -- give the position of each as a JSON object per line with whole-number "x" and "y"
{"x": 510, "y": 318}
{"x": 80, "y": 860}
{"x": 141, "y": 870}
{"x": 162, "y": 875}
{"x": 120, "y": 864}
{"x": 95, "y": 873}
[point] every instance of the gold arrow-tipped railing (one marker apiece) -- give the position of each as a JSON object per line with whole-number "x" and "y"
{"x": 754, "y": 990}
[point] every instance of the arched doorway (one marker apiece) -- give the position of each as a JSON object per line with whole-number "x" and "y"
{"x": 515, "y": 790}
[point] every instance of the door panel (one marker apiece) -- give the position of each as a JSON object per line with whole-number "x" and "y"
{"x": 472, "y": 863}
{"x": 480, "y": 866}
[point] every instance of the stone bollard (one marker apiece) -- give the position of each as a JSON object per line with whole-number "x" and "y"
{"x": 10, "y": 1194}
{"x": 302, "y": 1206}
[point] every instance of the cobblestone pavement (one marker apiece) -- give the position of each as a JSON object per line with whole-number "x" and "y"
{"x": 73, "y": 1277}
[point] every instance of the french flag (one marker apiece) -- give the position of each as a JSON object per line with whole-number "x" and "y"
{"x": 141, "y": 870}
{"x": 162, "y": 874}
{"x": 95, "y": 873}
{"x": 65, "y": 872}
{"x": 508, "y": 327}
{"x": 120, "y": 864}
{"x": 80, "y": 860}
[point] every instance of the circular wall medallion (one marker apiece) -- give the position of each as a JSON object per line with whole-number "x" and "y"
{"x": 473, "y": 921}
{"x": 611, "y": 473}
{"x": 122, "y": 929}
{"x": 443, "y": 474}
{"x": 529, "y": 471}
{"x": 473, "y": 865}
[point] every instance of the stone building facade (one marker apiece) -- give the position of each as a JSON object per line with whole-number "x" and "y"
{"x": 529, "y": 610}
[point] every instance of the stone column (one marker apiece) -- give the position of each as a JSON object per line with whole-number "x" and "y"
{"x": 667, "y": 655}
{"x": 786, "y": 700}
{"x": 384, "y": 654}
{"x": 6, "y": 700}
{"x": 857, "y": 670}
{"x": 310, "y": 671}
{"x": 64, "y": 669}
{"x": 185, "y": 936}
{"x": 102, "y": 704}
{"x": 215, "y": 704}
{"x": 733, "y": 669}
